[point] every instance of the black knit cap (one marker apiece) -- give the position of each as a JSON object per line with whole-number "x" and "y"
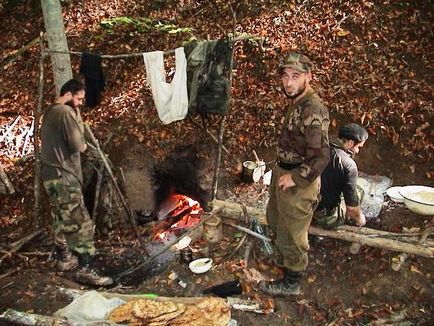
{"x": 353, "y": 131}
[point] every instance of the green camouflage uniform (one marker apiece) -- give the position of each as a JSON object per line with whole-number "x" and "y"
{"x": 61, "y": 142}
{"x": 304, "y": 145}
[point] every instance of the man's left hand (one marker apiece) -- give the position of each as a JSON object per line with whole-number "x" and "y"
{"x": 286, "y": 182}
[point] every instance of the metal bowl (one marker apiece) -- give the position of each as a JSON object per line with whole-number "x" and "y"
{"x": 419, "y": 199}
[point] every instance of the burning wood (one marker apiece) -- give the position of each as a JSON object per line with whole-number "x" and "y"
{"x": 177, "y": 212}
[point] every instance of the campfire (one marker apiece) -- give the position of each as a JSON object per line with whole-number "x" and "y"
{"x": 175, "y": 213}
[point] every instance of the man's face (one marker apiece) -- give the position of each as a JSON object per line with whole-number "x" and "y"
{"x": 356, "y": 147}
{"x": 294, "y": 82}
{"x": 75, "y": 100}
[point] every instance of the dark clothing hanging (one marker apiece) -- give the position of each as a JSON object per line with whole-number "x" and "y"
{"x": 208, "y": 87}
{"x": 93, "y": 77}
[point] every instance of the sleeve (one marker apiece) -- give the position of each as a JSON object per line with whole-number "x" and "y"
{"x": 349, "y": 190}
{"x": 71, "y": 133}
{"x": 315, "y": 124}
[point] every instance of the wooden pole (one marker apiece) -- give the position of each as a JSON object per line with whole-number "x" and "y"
{"x": 394, "y": 245}
{"x": 130, "y": 212}
{"x": 37, "y": 115}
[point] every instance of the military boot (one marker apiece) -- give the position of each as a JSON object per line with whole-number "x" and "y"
{"x": 288, "y": 285}
{"x": 87, "y": 275}
{"x": 66, "y": 261}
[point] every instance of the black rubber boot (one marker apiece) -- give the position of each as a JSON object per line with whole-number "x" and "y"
{"x": 87, "y": 275}
{"x": 288, "y": 285}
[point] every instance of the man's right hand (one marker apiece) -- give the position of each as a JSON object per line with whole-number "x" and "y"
{"x": 356, "y": 214}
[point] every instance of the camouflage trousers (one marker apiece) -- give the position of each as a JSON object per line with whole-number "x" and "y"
{"x": 71, "y": 221}
{"x": 329, "y": 219}
{"x": 289, "y": 214}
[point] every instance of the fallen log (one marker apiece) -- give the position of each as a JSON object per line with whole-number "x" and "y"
{"x": 394, "y": 245}
{"x": 235, "y": 210}
{"x": 365, "y": 236}
{"x": 24, "y": 318}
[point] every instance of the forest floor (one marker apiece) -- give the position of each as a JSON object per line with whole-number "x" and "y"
{"x": 374, "y": 64}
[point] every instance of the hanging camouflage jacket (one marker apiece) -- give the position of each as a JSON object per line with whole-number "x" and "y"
{"x": 304, "y": 138}
{"x": 208, "y": 87}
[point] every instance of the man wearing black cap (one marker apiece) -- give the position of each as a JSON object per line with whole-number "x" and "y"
{"x": 302, "y": 154}
{"x": 340, "y": 178}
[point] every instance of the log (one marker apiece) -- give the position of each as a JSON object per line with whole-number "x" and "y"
{"x": 365, "y": 236}
{"x": 8, "y": 185}
{"x": 235, "y": 210}
{"x": 24, "y": 318}
{"x": 389, "y": 244}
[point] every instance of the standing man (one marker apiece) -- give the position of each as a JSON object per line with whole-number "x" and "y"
{"x": 62, "y": 141}
{"x": 302, "y": 154}
{"x": 340, "y": 178}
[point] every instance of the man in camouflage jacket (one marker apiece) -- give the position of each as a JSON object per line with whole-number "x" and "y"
{"x": 302, "y": 154}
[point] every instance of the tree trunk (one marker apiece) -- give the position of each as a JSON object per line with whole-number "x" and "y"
{"x": 57, "y": 41}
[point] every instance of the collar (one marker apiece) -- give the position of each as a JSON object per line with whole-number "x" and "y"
{"x": 304, "y": 98}
{"x": 338, "y": 143}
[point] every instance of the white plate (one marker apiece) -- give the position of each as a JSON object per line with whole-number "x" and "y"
{"x": 393, "y": 193}
{"x": 201, "y": 265}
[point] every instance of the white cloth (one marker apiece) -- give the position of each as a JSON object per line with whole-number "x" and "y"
{"x": 171, "y": 99}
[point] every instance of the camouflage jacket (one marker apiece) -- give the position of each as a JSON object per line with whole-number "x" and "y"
{"x": 304, "y": 138}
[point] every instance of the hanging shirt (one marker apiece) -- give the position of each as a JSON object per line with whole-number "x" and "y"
{"x": 91, "y": 69}
{"x": 171, "y": 99}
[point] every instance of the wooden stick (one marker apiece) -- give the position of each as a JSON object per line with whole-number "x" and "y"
{"x": 19, "y": 244}
{"x": 374, "y": 242}
{"x": 24, "y": 318}
{"x": 9, "y": 273}
{"x": 209, "y": 133}
{"x": 246, "y": 230}
{"x": 130, "y": 214}
{"x": 4, "y": 178}
{"x": 37, "y": 115}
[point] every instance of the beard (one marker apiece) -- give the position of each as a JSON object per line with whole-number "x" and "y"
{"x": 71, "y": 104}
{"x": 297, "y": 93}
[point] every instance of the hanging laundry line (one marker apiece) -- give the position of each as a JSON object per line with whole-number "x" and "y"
{"x": 139, "y": 54}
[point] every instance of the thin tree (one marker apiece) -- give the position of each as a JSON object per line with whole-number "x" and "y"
{"x": 61, "y": 63}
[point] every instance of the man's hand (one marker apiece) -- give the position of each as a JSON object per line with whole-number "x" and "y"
{"x": 355, "y": 213}
{"x": 285, "y": 182}
{"x": 84, "y": 147}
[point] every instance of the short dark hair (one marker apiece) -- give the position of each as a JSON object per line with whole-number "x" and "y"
{"x": 353, "y": 131}
{"x": 73, "y": 86}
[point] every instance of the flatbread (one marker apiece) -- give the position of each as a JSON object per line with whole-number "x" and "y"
{"x": 181, "y": 308}
{"x": 209, "y": 312}
{"x": 216, "y": 310}
{"x": 191, "y": 314}
{"x": 150, "y": 309}
{"x": 122, "y": 313}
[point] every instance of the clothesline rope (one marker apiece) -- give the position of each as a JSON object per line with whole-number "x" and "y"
{"x": 139, "y": 54}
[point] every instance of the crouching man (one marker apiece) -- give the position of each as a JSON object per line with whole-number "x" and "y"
{"x": 62, "y": 141}
{"x": 340, "y": 179}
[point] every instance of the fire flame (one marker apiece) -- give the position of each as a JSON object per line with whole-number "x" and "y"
{"x": 184, "y": 205}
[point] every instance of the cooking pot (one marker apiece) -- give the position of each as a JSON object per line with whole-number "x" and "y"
{"x": 418, "y": 199}
{"x": 252, "y": 171}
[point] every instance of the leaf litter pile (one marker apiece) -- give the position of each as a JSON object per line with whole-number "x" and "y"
{"x": 374, "y": 65}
